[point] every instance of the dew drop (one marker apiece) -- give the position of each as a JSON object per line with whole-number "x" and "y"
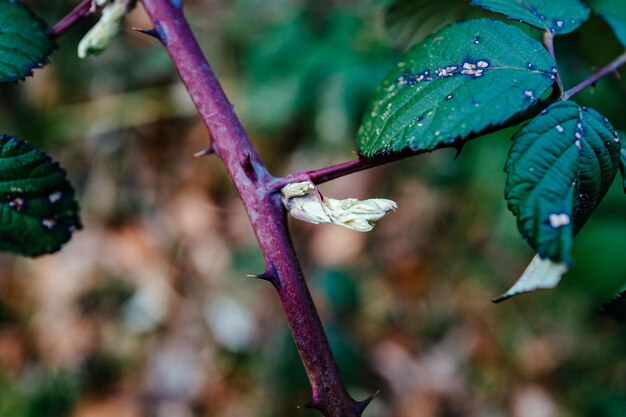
{"x": 48, "y": 223}
{"x": 449, "y": 97}
{"x": 559, "y": 128}
{"x": 477, "y": 40}
{"x": 559, "y": 220}
{"x": 55, "y": 196}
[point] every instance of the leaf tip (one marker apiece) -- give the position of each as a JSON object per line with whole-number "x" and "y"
{"x": 540, "y": 274}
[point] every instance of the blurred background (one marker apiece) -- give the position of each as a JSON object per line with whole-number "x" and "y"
{"x": 147, "y": 310}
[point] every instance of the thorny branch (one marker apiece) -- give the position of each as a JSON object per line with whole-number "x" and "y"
{"x": 263, "y": 205}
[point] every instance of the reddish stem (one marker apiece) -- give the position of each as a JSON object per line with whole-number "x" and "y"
{"x": 264, "y": 207}
{"x": 80, "y": 11}
{"x": 611, "y": 68}
{"x": 322, "y": 175}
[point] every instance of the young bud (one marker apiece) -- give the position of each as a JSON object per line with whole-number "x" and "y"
{"x": 305, "y": 203}
{"x": 297, "y": 189}
{"x": 99, "y": 37}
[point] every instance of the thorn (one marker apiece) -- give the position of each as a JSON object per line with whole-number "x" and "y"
{"x": 264, "y": 276}
{"x": 204, "y": 152}
{"x": 361, "y": 405}
{"x": 150, "y": 32}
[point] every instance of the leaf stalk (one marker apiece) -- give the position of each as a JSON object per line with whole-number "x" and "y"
{"x": 79, "y": 12}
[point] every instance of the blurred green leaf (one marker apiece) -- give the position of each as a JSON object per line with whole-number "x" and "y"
{"x": 324, "y": 69}
{"x": 340, "y": 289}
{"x": 614, "y": 12}
{"x": 410, "y": 21}
{"x": 38, "y": 212}
{"x": 616, "y": 308}
{"x": 54, "y": 395}
{"x": 560, "y": 167}
{"x": 554, "y": 16}
{"x": 12, "y": 401}
{"x": 42, "y": 393}
{"x": 458, "y": 82}
{"x": 25, "y": 41}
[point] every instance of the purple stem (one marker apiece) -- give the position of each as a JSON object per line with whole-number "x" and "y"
{"x": 80, "y": 11}
{"x": 322, "y": 175}
{"x": 263, "y": 205}
{"x": 612, "y": 67}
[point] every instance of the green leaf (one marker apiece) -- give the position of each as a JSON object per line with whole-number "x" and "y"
{"x": 38, "y": 212}
{"x": 460, "y": 81}
{"x": 560, "y": 167}
{"x": 555, "y": 16}
{"x": 614, "y": 12}
{"x": 25, "y": 41}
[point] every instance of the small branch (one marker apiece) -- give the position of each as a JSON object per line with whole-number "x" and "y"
{"x": 548, "y": 42}
{"x": 80, "y": 11}
{"x": 609, "y": 69}
{"x": 322, "y": 175}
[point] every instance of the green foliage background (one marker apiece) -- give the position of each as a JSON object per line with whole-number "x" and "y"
{"x": 129, "y": 319}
